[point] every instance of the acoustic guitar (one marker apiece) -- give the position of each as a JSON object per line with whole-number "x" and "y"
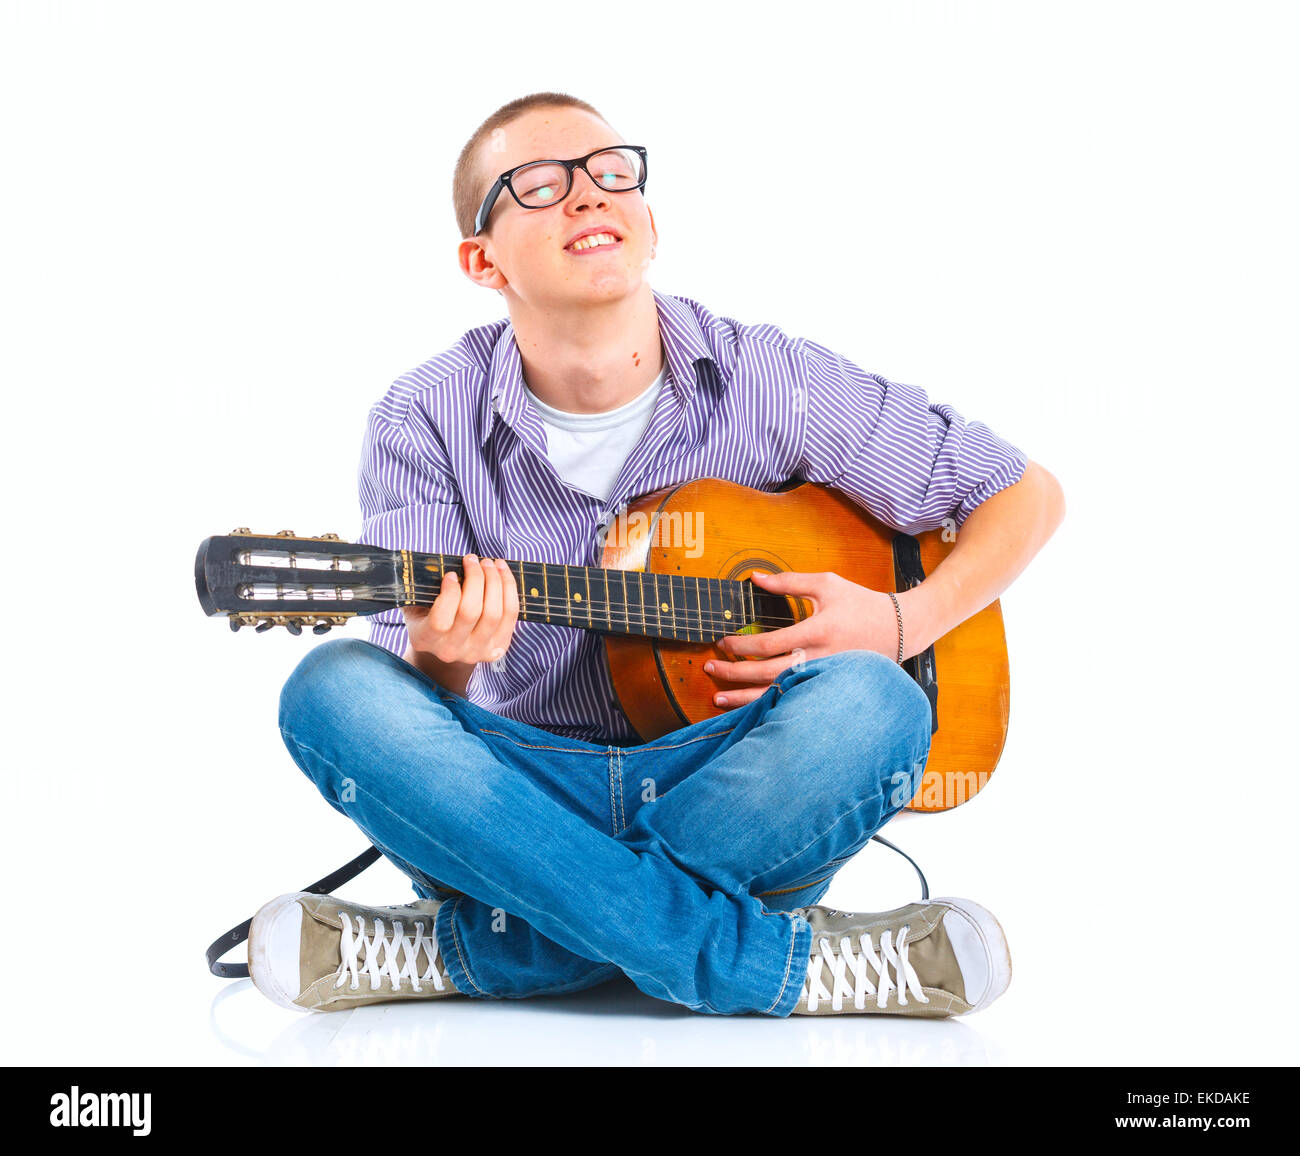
{"x": 674, "y": 579}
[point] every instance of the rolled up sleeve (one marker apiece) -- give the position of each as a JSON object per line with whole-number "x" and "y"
{"x": 409, "y": 501}
{"x": 910, "y": 462}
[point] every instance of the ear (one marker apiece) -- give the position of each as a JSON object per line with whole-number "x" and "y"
{"x": 475, "y": 263}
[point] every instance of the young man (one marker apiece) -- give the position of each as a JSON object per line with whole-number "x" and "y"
{"x": 488, "y": 758}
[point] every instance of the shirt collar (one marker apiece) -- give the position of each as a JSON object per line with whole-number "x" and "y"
{"x": 684, "y": 346}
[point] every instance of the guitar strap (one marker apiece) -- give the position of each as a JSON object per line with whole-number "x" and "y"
{"x": 353, "y": 868}
{"x": 238, "y": 935}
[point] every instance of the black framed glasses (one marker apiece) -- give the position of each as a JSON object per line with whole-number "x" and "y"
{"x": 541, "y": 184}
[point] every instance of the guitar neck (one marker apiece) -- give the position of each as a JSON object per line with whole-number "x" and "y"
{"x": 681, "y": 607}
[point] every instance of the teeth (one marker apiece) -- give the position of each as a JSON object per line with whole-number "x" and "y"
{"x": 590, "y": 242}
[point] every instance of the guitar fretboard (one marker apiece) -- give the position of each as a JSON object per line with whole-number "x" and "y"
{"x": 683, "y": 607}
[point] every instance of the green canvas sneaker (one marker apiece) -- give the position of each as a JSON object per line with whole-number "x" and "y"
{"x": 942, "y": 957}
{"x": 317, "y": 953}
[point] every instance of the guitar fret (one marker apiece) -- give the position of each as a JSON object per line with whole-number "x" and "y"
{"x": 686, "y": 606}
{"x": 546, "y": 592}
{"x": 586, "y": 575}
{"x": 523, "y": 593}
{"x": 699, "y": 610}
{"x": 609, "y": 621}
{"x": 659, "y": 603}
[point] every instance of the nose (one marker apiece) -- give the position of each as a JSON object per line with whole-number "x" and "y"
{"x": 586, "y": 191}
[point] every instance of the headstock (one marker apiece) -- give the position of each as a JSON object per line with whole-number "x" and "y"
{"x": 286, "y": 580}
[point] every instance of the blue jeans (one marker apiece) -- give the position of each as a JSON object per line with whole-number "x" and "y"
{"x": 677, "y": 862}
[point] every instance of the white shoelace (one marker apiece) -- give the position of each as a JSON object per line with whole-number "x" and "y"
{"x": 378, "y": 956}
{"x": 847, "y": 965}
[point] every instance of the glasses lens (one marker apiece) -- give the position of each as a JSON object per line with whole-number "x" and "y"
{"x": 616, "y": 169}
{"x": 541, "y": 184}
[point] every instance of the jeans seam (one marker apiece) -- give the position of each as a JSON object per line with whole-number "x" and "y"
{"x": 460, "y": 954}
{"x": 537, "y": 746}
{"x": 622, "y": 815}
{"x": 613, "y": 804}
{"x": 687, "y": 743}
{"x": 789, "y": 963}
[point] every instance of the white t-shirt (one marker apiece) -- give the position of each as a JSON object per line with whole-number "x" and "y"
{"x": 589, "y": 449}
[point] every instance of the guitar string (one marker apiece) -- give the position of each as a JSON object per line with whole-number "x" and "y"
{"x": 551, "y": 602}
{"x": 561, "y": 607}
{"x": 556, "y": 604}
{"x": 706, "y": 590}
{"x": 537, "y": 605}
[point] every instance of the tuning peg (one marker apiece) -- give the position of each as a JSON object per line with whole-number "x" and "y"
{"x": 264, "y": 625}
{"x": 321, "y": 628}
{"x": 329, "y": 537}
{"x": 285, "y": 534}
{"x": 293, "y": 627}
{"x": 241, "y": 530}
{"x": 235, "y": 624}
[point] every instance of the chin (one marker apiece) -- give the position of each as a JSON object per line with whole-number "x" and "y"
{"x": 606, "y": 288}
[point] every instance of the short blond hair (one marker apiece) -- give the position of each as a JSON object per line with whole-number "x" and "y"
{"x": 470, "y": 183}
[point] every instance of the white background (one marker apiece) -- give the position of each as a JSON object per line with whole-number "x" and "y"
{"x": 227, "y": 228}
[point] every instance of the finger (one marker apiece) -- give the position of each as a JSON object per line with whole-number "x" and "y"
{"x": 509, "y": 606}
{"x": 499, "y": 641}
{"x": 471, "y": 595}
{"x": 511, "y": 592}
{"x": 465, "y": 611}
{"x": 763, "y": 670}
{"x": 768, "y": 642}
{"x": 489, "y": 619}
{"x": 791, "y": 581}
{"x": 442, "y": 615}
{"x": 734, "y": 698}
{"x": 810, "y": 588}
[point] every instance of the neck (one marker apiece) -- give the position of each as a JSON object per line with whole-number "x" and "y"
{"x": 685, "y": 608}
{"x": 591, "y": 358}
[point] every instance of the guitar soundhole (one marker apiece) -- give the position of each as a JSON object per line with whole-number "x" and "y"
{"x": 773, "y": 610}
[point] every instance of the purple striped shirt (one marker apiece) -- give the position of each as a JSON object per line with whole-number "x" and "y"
{"x": 454, "y": 462}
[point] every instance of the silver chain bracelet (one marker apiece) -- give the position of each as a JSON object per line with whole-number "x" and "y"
{"x": 898, "y": 613}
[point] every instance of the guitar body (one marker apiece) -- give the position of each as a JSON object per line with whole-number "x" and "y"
{"x": 733, "y": 530}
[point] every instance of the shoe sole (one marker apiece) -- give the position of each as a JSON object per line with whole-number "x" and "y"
{"x": 259, "y": 962}
{"x": 994, "y": 940}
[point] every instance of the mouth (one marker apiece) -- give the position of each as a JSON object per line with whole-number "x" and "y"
{"x": 589, "y": 243}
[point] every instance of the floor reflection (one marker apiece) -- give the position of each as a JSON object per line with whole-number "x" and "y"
{"x": 614, "y": 1024}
